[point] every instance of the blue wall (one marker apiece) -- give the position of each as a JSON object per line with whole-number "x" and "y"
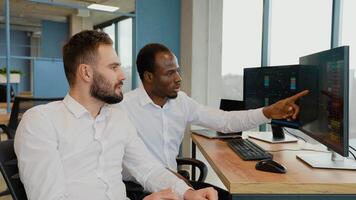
{"x": 54, "y": 35}
{"x": 49, "y": 79}
{"x": 158, "y": 21}
{"x": 17, "y": 38}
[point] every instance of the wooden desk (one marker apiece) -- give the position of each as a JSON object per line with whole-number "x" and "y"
{"x": 4, "y": 118}
{"x": 243, "y": 181}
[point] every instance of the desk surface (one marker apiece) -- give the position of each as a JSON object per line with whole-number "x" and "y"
{"x": 241, "y": 177}
{"x": 4, "y": 118}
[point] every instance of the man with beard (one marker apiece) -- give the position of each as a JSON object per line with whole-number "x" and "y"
{"x": 75, "y": 149}
{"x": 161, "y": 112}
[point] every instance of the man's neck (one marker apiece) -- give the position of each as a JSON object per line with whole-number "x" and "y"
{"x": 90, "y": 103}
{"x": 158, "y": 100}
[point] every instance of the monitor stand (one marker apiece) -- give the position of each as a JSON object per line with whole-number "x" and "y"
{"x": 276, "y": 136}
{"x": 327, "y": 161}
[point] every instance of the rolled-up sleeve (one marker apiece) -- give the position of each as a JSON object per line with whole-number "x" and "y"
{"x": 40, "y": 167}
{"x": 223, "y": 121}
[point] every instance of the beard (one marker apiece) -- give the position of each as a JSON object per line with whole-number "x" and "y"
{"x": 101, "y": 89}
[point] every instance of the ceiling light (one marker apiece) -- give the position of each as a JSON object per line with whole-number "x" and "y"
{"x": 101, "y": 7}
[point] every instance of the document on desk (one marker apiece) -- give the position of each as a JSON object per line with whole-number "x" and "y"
{"x": 214, "y": 134}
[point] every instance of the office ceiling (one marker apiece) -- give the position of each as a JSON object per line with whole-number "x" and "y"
{"x": 31, "y": 12}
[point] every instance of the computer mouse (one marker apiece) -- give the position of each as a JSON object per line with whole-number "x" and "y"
{"x": 270, "y": 165}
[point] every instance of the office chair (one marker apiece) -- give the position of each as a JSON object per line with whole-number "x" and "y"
{"x": 194, "y": 163}
{"x": 20, "y": 105}
{"x": 3, "y": 93}
{"x": 231, "y": 105}
{"x": 136, "y": 192}
{"x": 9, "y": 170}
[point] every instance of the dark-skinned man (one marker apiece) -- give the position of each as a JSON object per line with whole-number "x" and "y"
{"x": 161, "y": 112}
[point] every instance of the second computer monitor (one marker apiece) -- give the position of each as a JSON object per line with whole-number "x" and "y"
{"x": 329, "y": 124}
{"x": 264, "y": 86}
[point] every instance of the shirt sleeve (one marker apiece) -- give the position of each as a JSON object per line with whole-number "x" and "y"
{"x": 149, "y": 172}
{"x": 223, "y": 121}
{"x": 39, "y": 162}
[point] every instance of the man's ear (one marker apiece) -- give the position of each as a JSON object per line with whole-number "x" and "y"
{"x": 148, "y": 76}
{"x": 85, "y": 72}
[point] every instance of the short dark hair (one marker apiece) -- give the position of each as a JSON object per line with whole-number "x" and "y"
{"x": 82, "y": 49}
{"x": 146, "y": 58}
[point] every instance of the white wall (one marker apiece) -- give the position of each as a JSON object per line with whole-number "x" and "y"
{"x": 201, "y": 46}
{"x": 202, "y": 38}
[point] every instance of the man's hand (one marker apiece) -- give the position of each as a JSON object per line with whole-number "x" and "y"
{"x": 202, "y": 194}
{"x": 284, "y": 109}
{"x": 166, "y": 194}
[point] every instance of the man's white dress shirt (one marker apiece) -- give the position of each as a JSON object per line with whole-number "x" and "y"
{"x": 162, "y": 128}
{"x": 65, "y": 153}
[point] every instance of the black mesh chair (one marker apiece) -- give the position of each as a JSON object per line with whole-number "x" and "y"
{"x": 3, "y": 93}
{"x": 9, "y": 170}
{"x": 194, "y": 163}
{"x": 136, "y": 192}
{"x": 19, "y": 106}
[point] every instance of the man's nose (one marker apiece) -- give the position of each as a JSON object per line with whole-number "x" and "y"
{"x": 178, "y": 78}
{"x": 121, "y": 75}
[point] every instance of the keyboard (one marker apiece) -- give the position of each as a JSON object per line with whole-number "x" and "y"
{"x": 248, "y": 150}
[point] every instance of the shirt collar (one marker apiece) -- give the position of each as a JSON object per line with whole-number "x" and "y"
{"x": 143, "y": 96}
{"x": 78, "y": 109}
{"x": 145, "y": 99}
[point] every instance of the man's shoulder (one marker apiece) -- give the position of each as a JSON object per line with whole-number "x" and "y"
{"x": 182, "y": 94}
{"x": 46, "y": 108}
{"x": 182, "y": 97}
{"x": 129, "y": 98}
{"x": 40, "y": 113}
{"x": 133, "y": 94}
{"x": 119, "y": 113}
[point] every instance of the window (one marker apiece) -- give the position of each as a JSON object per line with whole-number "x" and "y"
{"x": 299, "y": 28}
{"x": 241, "y": 43}
{"x": 348, "y": 38}
{"x": 348, "y": 29}
{"x": 123, "y": 45}
{"x": 110, "y": 30}
{"x": 125, "y": 50}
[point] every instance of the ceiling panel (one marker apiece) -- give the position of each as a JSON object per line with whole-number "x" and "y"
{"x": 22, "y": 10}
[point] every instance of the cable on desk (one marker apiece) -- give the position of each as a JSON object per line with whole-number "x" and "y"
{"x": 353, "y": 148}
{"x": 352, "y": 154}
{"x": 294, "y": 135}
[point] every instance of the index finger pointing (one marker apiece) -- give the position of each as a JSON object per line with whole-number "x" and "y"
{"x": 298, "y": 95}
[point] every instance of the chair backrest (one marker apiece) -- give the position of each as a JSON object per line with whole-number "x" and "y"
{"x": 9, "y": 170}
{"x": 19, "y": 107}
{"x": 230, "y": 105}
{"x": 3, "y": 93}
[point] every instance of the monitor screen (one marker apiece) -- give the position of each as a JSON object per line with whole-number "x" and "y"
{"x": 264, "y": 86}
{"x": 324, "y": 113}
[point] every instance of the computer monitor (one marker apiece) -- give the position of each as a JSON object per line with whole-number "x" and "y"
{"x": 264, "y": 86}
{"x": 328, "y": 123}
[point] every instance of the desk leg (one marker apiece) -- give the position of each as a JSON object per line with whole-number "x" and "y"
{"x": 193, "y": 156}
